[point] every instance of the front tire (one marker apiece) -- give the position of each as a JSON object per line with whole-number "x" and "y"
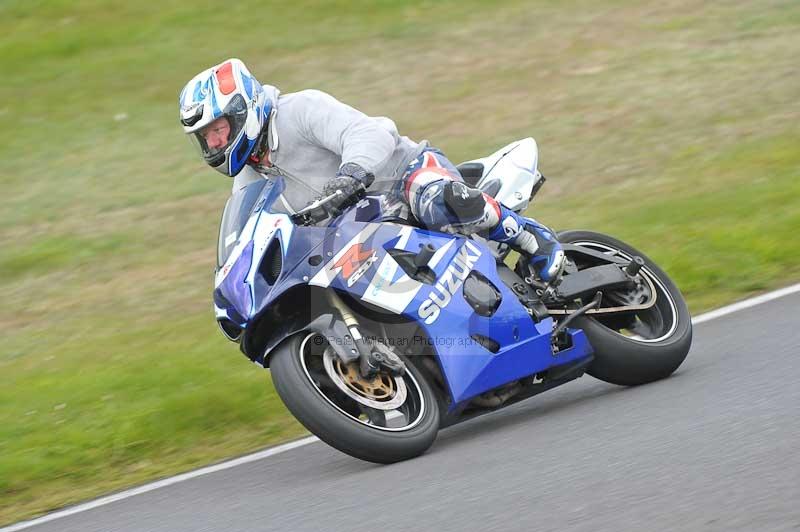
{"x": 662, "y": 335}
{"x": 344, "y": 419}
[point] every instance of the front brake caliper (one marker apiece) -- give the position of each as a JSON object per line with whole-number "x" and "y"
{"x": 378, "y": 357}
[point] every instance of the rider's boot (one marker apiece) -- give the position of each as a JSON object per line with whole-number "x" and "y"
{"x": 479, "y": 212}
{"x": 532, "y": 239}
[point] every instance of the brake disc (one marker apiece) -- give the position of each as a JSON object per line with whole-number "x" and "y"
{"x": 382, "y": 392}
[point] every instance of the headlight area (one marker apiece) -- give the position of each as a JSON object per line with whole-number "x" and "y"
{"x": 231, "y": 330}
{"x": 267, "y": 274}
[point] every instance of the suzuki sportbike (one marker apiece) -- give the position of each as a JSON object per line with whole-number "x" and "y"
{"x": 379, "y": 332}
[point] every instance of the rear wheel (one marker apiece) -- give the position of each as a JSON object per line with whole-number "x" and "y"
{"x": 385, "y": 419}
{"x": 637, "y": 346}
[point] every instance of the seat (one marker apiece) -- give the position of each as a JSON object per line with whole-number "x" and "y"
{"x": 491, "y": 187}
{"x": 471, "y": 172}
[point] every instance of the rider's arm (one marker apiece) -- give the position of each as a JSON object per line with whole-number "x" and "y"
{"x": 347, "y": 132}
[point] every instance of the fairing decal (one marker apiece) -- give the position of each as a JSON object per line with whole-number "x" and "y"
{"x": 233, "y": 287}
{"x": 327, "y": 274}
{"x": 385, "y": 290}
{"x": 450, "y": 281}
{"x": 220, "y": 312}
{"x": 243, "y": 241}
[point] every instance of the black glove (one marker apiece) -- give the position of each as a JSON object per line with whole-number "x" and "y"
{"x": 352, "y": 180}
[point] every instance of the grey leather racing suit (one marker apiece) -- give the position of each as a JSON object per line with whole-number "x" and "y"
{"x": 311, "y": 134}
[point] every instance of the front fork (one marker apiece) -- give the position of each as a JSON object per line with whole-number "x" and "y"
{"x": 372, "y": 356}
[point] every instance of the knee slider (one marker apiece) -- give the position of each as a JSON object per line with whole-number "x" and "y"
{"x": 465, "y": 203}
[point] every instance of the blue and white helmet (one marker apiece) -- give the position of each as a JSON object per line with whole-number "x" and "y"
{"x": 225, "y": 90}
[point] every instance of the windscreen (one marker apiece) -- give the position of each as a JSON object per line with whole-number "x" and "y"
{"x": 235, "y": 215}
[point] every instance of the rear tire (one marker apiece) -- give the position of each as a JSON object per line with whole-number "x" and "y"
{"x": 331, "y": 416}
{"x": 628, "y": 361}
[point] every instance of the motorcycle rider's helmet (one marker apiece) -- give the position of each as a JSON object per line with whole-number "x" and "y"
{"x": 225, "y": 98}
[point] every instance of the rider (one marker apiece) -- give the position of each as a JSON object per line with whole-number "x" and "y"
{"x": 320, "y": 145}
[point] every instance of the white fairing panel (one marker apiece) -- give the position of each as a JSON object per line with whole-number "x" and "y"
{"x": 516, "y": 167}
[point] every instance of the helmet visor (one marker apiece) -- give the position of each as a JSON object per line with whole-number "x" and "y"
{"x": 214, "y": 139}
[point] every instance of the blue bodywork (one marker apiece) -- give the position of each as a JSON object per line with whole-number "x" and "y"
{"x": 354, "y": 257}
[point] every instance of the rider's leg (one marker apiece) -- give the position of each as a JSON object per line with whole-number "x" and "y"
{"x": 439, "y": 198}
{"x": 528, "y": 236}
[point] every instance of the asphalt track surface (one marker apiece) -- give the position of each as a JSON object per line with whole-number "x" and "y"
{"x": 714, "y": 447}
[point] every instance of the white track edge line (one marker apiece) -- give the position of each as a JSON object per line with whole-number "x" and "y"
{"x": 744, "y": 304}
{"x": 102, "y": 501}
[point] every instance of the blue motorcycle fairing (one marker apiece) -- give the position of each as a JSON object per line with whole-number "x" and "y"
{"x": 469, "y": 368}
{"x": 355, "y": 259}
{"x": 235, "y": 280}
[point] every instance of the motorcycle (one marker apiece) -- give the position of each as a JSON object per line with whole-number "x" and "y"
{"x": 378, "y": 332}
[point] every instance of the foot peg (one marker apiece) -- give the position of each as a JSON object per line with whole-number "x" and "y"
{"x": 424, "y": 256}
{"x": 416, "y": 264}
{"x": 634, "y": 266}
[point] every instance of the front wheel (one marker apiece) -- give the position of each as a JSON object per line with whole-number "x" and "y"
{"x": 384, "y": 420}
{"x": 639, "y": 346}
